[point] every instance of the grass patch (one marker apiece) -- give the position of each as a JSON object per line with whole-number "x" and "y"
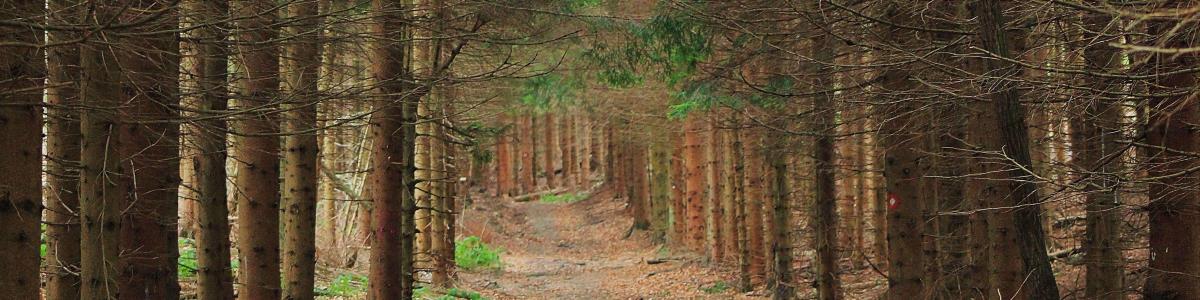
{"x": 716, "y": 288}
{"x": 344, "y": 284}
{"x": 471, "y": 253}
{"x": 451, "y": 294}
{"x": 563, "y": 198}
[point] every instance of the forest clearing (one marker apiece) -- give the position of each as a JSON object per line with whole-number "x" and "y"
{"x": 599, "y": 149}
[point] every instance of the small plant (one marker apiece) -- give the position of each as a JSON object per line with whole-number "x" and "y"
{"x": 716, "y": 288}
{"x": 563, "y": 198}
{"x": 187, "y": 259}
{"x": 471, "y": 253}
{"x": 346, "y": 284}
{"x": 424, "y": 292}
{"x": 456, "y": 293}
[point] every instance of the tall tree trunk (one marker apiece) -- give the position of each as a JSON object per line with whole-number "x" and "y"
{"x": 1174, "y": 204}
{"x": 150, "y": 142}
{"x": 23, "y": 71}
{"x": 660, "y": 189}
{"x": 694, "y": 183}
{"x": 712, "y": 174}
{"x": 1039, "y": 281}
{"x": 301, "y": 149}
{"x": 549, "y": 150}
{"x": 679, "y": 214}
{"x": 62, "y": 157}
{"x": 100, "y": 199}
{"x": 753, "y": 178}
{"x": 214, "y": 275}
{"x": 728, "y": 200}
{"x": 425, "y": 177}
{"x": 257, "y": 153}
{"x": 1095, "y": 121}
{"x": 781, "y": 212}
{"x": 737, "y": 157}
{"x": 903, "y": 173}
{"x": 824, "y": 218}
{"x": 392, "y": 161}
{"x": 440, "y": 194}
{"x": 584, "y": 125}
{"x": 566, "y": 142}
{"x": 505, "y": 183}
{"x": 528, "y": 173}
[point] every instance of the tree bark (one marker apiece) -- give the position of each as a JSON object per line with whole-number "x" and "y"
{"x": 100, "y": 198}
{"x": 1174, "y": 204}
{"x": 23, "y": 70}
{"x": 824, "y": 217}
{"x": 903, "y": 173}
{"x": 257, "y": 153}
{"x": 62, "y": 157}
{"x": 694, "y": 183}
{"x": 1096, "y": 129}
{"x": 549, "y": 150}
{"x": 214, "y": 275}
{"x": 781, "y": 211}
{"x": 392, "y": 161}
{"x": 1039, "y": 281}
{"x": 301, "y": 150}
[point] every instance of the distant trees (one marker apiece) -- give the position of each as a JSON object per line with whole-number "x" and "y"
{"x": 1023, "y": 149}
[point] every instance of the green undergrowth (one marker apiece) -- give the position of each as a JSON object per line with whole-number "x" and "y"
{"x": 564, "y": 198}
{"x": 716, "y": 288}
{"x": 187, "y": 259}
{"x": 471, "y": 253}
{"x": 451, "y": 294}
{"x": 344, "y": 285}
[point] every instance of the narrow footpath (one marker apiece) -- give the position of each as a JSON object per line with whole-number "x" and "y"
{"x": 584, "y": 250}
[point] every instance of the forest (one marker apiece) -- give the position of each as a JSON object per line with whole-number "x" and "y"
{"x": 599, "y": 149}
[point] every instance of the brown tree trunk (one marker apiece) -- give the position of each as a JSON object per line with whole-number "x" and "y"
{"x": 824, "y": 217}
{"x": 738, "y": 177}
{"x": 712, "y": 173}
{"x": 903, "y": 173}
{"x": 23, "y": 72}
{"x": 1096, "y": 129}
{"x": 527, "y": 147}
{"x": 1039, "y": 277}
{"x": 693, "y": 158}
{"x": 753, "y": 178}
{"x": 62, "y": 157}
{"x": 585, "y": 150}
{"x": 424, "y": 191}
{"x": 728, "y": 200}
{"x": 214, "y": 275}
{"x": 257, "y": 156}
{"x": 300, "y": 156}
{"x": 391, "y": 184}
{"x": 549, "y": 150}
{"x": 781, "y": 211}
{"x": 100, "y": 199}
{"x": 679, "y": 220}
{"x": 440, "y": 194}
{"x": 1174, "y": 226}
{"x": 660, "y": 189}
{"x": 149, "y": 222}
{"x": 568, "y": 142}
{"x": 505, "y": 183}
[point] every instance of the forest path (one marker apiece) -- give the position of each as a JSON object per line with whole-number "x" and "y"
{"x": 581, "y": 250}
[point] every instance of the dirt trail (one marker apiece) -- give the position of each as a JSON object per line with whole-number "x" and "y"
{"x": 581, "y": 250}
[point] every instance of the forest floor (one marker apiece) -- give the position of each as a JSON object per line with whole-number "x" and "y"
{"x": 584, "y": 250}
